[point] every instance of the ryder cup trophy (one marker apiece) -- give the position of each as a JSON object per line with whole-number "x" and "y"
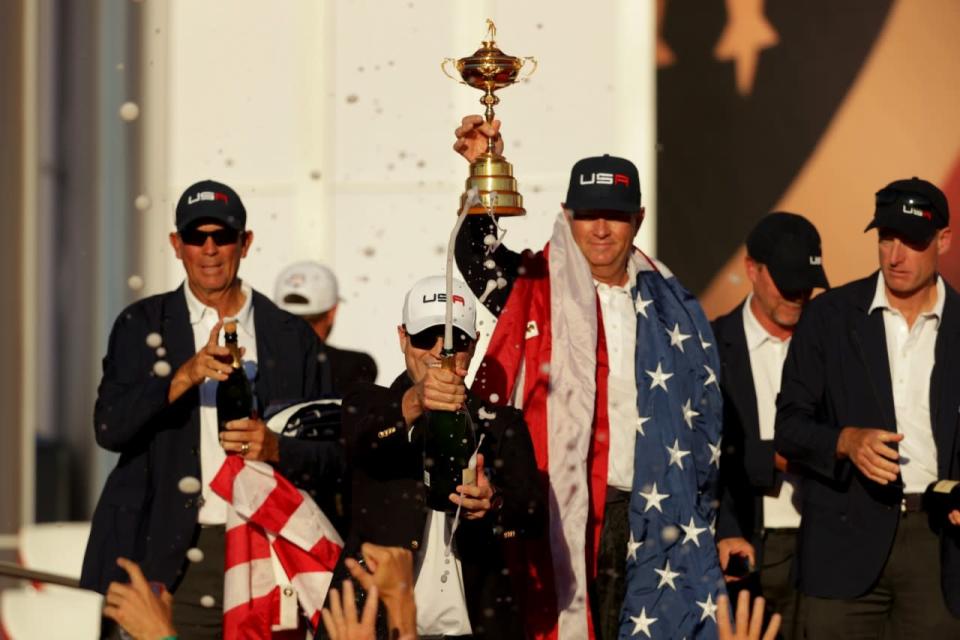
{"x": 490, "y": 69}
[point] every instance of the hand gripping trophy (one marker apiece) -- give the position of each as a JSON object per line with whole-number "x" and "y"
{"x": 490, "y": 69}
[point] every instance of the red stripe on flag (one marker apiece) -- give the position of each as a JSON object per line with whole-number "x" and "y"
{"x": 294, "y": 560}
{"x": 279, "y": 505}
{"x": 251, "y": 620}
{"x": 243, "y": 544}
{"x": 222, "y": 483}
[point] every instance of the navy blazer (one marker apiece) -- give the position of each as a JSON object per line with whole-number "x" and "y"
{"x": 837, "y": 374}
{"x": 747, "y": 468}
{"x": 142, "y": 514}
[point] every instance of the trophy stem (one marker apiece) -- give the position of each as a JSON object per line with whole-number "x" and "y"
{"x": 489, "y": 100}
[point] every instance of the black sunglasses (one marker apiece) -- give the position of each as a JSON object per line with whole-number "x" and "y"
{"x": 426, "y": 339}
{"x": 221, "y": 237}
{"x": 893, "y": 196}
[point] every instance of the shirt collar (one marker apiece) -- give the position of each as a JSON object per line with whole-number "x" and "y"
{"x": 198, "y": 311}
{"x": 880, "y": 300}
{"x": 756, "y": 334}
{"x": 625, "y": 287}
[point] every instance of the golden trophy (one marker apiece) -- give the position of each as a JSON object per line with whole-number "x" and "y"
{"x": 490, "y": 69}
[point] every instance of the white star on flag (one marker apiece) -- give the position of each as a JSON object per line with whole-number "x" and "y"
{"x": 667, "y": 577}
{"x": 703, "y": 343}
{"x": 641, "y": 305}
{"x": 714, "y": 454}
{"x": 632, "y": 546}
{"x": 677, "y": 338}
{"x": 711, "y": 378}
{"x": 691, "y": 532}
{"x": 676, "y": 455}
{"x": 709, "y": 608}
{"x": 641, "y": 623}
{"x": 658, "y": 378}
{"x": 688, "y": 412}
{"x": 640, "y": 422}
{"x": 654, "y": 499}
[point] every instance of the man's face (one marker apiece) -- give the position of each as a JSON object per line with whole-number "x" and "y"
{"x": 605, "y": 237}
{"x": 908, "y": 266}
{"x": 419, "y": 358}
{"x": 781, "y": 308}
{"x": 211, "y": 255}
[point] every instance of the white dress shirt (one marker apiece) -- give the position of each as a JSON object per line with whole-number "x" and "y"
{"x": 620, "y": 329}
{"x": 213, "y": 509}
{"x": 438, "y": 592}
{"x": 767, "y": 354}
{"x": 910, "y": 351}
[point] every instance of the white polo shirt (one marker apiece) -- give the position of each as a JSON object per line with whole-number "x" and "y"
{"x": 213, "y": 510}
{"x": 781, "y": 509}
{"x": 910, "y": 351}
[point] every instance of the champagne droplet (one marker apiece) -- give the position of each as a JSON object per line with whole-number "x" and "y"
{"x": 207, "y": 602}
{"x": 194, "y": 555}
{"x": 154, "y": 340}
{"x": 135, "y": 283}
{"x": 162, "y": 368}
{"x": 188, "y": 484}
{"x": 129, "y": 111}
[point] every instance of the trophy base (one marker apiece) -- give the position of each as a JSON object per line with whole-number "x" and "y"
{"x": 492, "y": 176}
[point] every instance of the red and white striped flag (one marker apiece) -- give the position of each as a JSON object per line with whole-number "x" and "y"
{"x": 280, "y": 550}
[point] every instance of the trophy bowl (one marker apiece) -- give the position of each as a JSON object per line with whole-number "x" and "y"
{"x": 489, "y": 69}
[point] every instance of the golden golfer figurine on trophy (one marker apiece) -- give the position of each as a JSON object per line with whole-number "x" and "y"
{"x": 490, "y": 69}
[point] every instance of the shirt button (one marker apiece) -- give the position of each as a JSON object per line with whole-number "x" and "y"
{"x": 414, "y": 545}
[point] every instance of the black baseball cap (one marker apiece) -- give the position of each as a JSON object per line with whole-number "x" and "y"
{"x": 915, "y": 208}
{"x": 210, "y": 200}
{"x": 604, "y": 183}
{"x": 789, "y": 245}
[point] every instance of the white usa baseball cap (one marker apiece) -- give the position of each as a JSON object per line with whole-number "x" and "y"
{"x": 306, "y": 289}
{"x": 426, "y": 306}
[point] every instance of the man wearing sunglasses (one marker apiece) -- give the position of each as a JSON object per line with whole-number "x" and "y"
{"x": 469, "y": 594}
{"x": 156, "y": 407}
{"x": 758, "y": 516}
{"x": 868, "y": 412}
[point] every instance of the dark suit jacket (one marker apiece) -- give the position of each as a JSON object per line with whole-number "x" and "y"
{"x": 141, "y": 513}
{"x": 747, "y": 471}
{"x": 348, "y": 368}
{"x": 389, "y": 503}
{"x": 837, "y": 374}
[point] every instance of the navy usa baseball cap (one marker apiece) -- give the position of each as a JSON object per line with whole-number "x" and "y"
{"x": 210, "y": 200}
{"x": 604, "y": 183}
{"x": 915, "y": 208}
{"x": 789, "y": 246}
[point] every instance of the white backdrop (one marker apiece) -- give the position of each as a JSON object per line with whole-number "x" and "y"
{"x": 334, "y": 123}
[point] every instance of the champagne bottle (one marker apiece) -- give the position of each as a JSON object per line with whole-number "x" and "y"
{"x": 234, "y": 395}
{"x": 942, "y": 497}
{"x": 448, "y": 445}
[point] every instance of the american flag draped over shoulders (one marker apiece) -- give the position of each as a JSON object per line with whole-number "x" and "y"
{"x": 673, "y": 573}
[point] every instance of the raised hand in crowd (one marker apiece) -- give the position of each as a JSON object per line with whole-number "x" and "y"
{"x": 389, "y": 570}
{"x": 143, "y": 614}
{"x": 472, "y": 135}
{"x": 341, "y": 621}
{"x": 212, "y": 361}
{"x": 747, "y": 626}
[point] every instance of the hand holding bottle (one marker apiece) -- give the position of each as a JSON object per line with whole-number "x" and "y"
{"x": 477, "y": 498}
{"x": 212, "y": 361}
{"x": 250, "y": 438}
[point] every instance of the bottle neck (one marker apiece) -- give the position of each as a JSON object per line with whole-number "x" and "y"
{"x": 234, "y": 354}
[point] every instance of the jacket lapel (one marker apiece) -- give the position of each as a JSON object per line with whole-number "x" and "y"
{"x": 736, "y": 370}
{"x": 943, "y": 389}
{"x": 178, "y": 341}
{"x": 870, "y": 343}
